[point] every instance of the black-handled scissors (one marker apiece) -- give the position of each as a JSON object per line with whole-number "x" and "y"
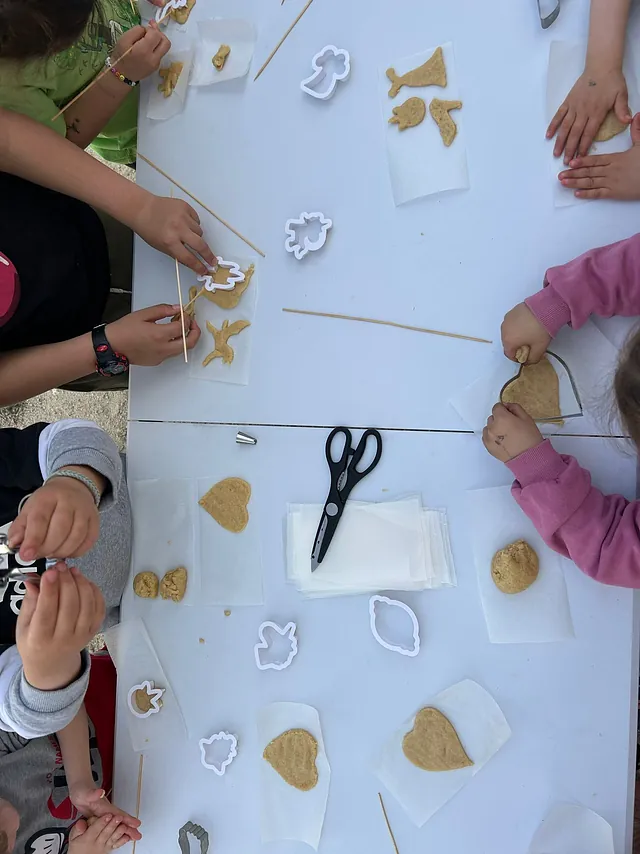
{"x": 344, "y": 476}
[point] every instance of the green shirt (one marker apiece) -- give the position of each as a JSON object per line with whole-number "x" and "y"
{"x": 38, "y": 89}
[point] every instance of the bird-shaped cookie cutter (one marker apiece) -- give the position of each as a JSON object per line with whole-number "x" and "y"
{"x": 572, "y": 382}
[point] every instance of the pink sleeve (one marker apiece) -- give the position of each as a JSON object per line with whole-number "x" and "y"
{"x": 600, "y": 533}
{"x": 604, "y": 281}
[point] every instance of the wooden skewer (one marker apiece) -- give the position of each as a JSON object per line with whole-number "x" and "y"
{"x": 184, "y": 335}
{"x": 202, "y": 204}
{"x": 191, "y": 301}
{"x": 282, "y": 40}
{"x": 387, "y": 323}
{"x": 93, "y": 83}
{"x": 386, "y": 818}
{"x": 133, "y": 7}
{"x": 139, "y": 793}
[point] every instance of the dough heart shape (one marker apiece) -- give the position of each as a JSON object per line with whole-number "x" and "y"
{"x": 293, "y": 755}
{"x": 227, "y": 503}
{"x": 433, "y": 743}
{"x": 536, "y": 389}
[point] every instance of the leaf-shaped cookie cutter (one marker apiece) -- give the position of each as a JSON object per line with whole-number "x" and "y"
{"x": 572, "y": 382}
{"x": 235, "y": 276}
{"x": 154, "y": 694}
{"x": 396, "y": 603}
{"x": 288, "y": 631}
{"x": 194, "y": 830}
{"x": 320, "y": 72}
{"x": 233, "y": 751}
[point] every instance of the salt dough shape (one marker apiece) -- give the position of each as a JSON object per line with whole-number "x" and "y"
{"x": 225, "y": 277}
{"x": 293, "y": 755}
{"x": 431, "y": 73}
{"x": 410, "y": 114}
{"x": 288, "y": 631}
{"x": 223, "y": 350}
{"x": 174, "y": 584}
{"x": 229, "y": 299}
{"x": 515, "y": 567}
{"x": 299, "y": 247}
{"x": 610, "y": 127}
{"x": 221, "y": 57}
{"x": 316, "y": 84}
{"x": 145, "y": 699}
{"x": 440, "y": 114}
{"x": 227, "y": 502}
{"x": 537, "y": 389}
{"x": 170, "y": 75}
{"x": 146, "y": 584}
{"x": 179, "y": 10}
{"x": 522, "y": 354}
{"x": 433, "y": 744}
{"x": 384, "y": 601}
{"x": 221, "y": 768}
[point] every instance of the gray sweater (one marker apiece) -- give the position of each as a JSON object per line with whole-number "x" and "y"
{"x": 23, "y": 709}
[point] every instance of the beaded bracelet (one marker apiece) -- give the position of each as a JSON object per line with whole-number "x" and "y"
{"x": 76, "y": 475}
{"x": 119, "y": 75}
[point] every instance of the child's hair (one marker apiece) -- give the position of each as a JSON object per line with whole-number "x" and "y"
{"x": 627, "y": 387}
{"x": 31, "y": 29}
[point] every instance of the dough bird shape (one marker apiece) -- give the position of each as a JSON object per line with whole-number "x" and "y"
{"x": 223, "y": 350}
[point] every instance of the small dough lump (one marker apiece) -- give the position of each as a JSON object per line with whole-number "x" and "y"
{"x": 515, "y": 567}
{"x": 146, "y": 585}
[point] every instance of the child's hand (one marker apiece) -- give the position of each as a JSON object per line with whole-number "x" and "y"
{"x": 144, "y": 341}
{"x": 56, "y": 621}
{"x": 510, "y": 431}
{"x": 150, "y": 46}
{"x": 59, "y": 520}
{"x": 98, "y": 836}
{"x": 521, "y": 328}
{"x": 580, "y": 115}
{"x": 92, "y": 803}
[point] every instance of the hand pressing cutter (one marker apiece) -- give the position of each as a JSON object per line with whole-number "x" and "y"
{"x": 344, "y": 476}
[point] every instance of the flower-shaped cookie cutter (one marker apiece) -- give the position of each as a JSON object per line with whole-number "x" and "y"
{"x": 289, "y": 631}
{"x": 219, "y": 768}
{"x": 163, "y": 11}
{"x": 298, "y": 248}
{"x": 320, "y": 73}
{"x": 235, "y": 276}
{"x": 155, "y": 699}
{"x": 410, "y": 651}
{"x": 194, "y": 830}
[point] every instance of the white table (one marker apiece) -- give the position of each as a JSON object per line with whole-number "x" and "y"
{"x": 571, "y": 706}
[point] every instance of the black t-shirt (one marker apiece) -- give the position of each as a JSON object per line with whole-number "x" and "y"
{"x": 57, "y": 247}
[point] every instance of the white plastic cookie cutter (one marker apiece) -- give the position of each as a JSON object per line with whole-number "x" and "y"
{"x": 325, "y": 66}
{"x": 235, "y": 276}
{"x": 219, "y": 768}
{"x": 155, "y": 699}
{"x": 163, "y": 11}
{"x": 301, "y": 246}
{"x": 410, "y": 650}
{"x": 289, "y": 632}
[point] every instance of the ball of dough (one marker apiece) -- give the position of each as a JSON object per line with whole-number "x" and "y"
{"x": 146, "y": 585}
{"x": 515, "y": 567}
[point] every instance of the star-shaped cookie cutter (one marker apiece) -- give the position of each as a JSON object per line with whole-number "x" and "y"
{"x": 194, "y": 830}
{"x": 155, "y": 697}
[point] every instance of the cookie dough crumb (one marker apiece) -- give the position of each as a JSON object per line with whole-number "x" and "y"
{"x": 201, "y": 640}
{"x": 146, "y": 584}
{"x": 515, "y": 567}
{"x": 227, "y": 613}
{"x": 221, "y": 56}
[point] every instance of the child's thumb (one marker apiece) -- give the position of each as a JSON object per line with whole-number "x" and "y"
{"x": 78, "y": 829}
{"x": 635, "y": 129}
{"x": 621, "y": 108}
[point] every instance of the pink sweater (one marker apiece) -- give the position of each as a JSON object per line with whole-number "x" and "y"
{"x": 600, "y": 533}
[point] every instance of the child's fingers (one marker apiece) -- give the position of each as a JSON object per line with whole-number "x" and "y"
{"x": 105, "y": 828}
{"x": 119, "y": 837}
{"x": 90, "y": 605}
{"x": 78, "y": 829}
{"x": 76, "y": 535}
{"x": 69, "y": 606}
{"x": 60, "y": 526}
{"x": 46, "y": 610}
{"x": 36, "y": 528}
{"x": 16, "y": 531}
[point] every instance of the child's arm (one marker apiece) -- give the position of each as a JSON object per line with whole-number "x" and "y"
{"x": 599, "y": 533}
{"x": 603, "y": 281}
{"x": 600, "y": 88}
{"x": 39, "y": 154}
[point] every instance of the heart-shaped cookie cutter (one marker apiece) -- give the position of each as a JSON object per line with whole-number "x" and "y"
{"x": 320, "y": 72}
{"x": 155, "y": 697}
{"x": 233, "y": 752}
{"x": 574, "y": 389}
{"x": 288, "y": 631}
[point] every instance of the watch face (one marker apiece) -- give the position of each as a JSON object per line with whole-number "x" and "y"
{"x": 117, "y": 368}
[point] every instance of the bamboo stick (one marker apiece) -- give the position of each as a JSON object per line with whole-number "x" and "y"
{"x": 93, "y": 83}
{"x": 282, "y": 40}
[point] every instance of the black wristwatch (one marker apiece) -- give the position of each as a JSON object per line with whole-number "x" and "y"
{"x": 108, "y": 362}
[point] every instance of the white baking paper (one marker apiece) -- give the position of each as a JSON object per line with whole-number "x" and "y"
{"x": 159, "y": 107}
{"x": 163, "y": 534}
{"x": 238, "y": 34}
{"x": 288, "y": 813}
{"x": 538, "y": 614}
{"x": 230, "y": 564}
{"x": 566, "y": 64}
{"x": 136, "y": 661}
{"x": 572, "y": 829}
{"x": 216, "y": 371}
{"x": 419, "y": 162}
{"x": 591, "y": 358}
{"x": 482, "y": 729}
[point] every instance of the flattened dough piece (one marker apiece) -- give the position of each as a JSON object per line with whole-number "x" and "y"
{"x": 145, "y": 585}
{"x": 410, "y": 114}
{"x": 515, "y": 567}
{"x": 440, "y": 114}
{"x": 221, "y": 56}
{"x": 293, "y": 755}
{"x": 537, "y": 390}
{"x": 433, "y": 743}
{"x": 174, "y": 584}
{"x": 610, "y": 127}
{"x": 227, "y": 503}
{"x": 229, "y": 299}
{"x": 181, "y": 16}
{"x": 430, "y": 73}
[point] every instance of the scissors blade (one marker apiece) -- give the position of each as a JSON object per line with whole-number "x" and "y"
{"x": 326, "y": 529}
